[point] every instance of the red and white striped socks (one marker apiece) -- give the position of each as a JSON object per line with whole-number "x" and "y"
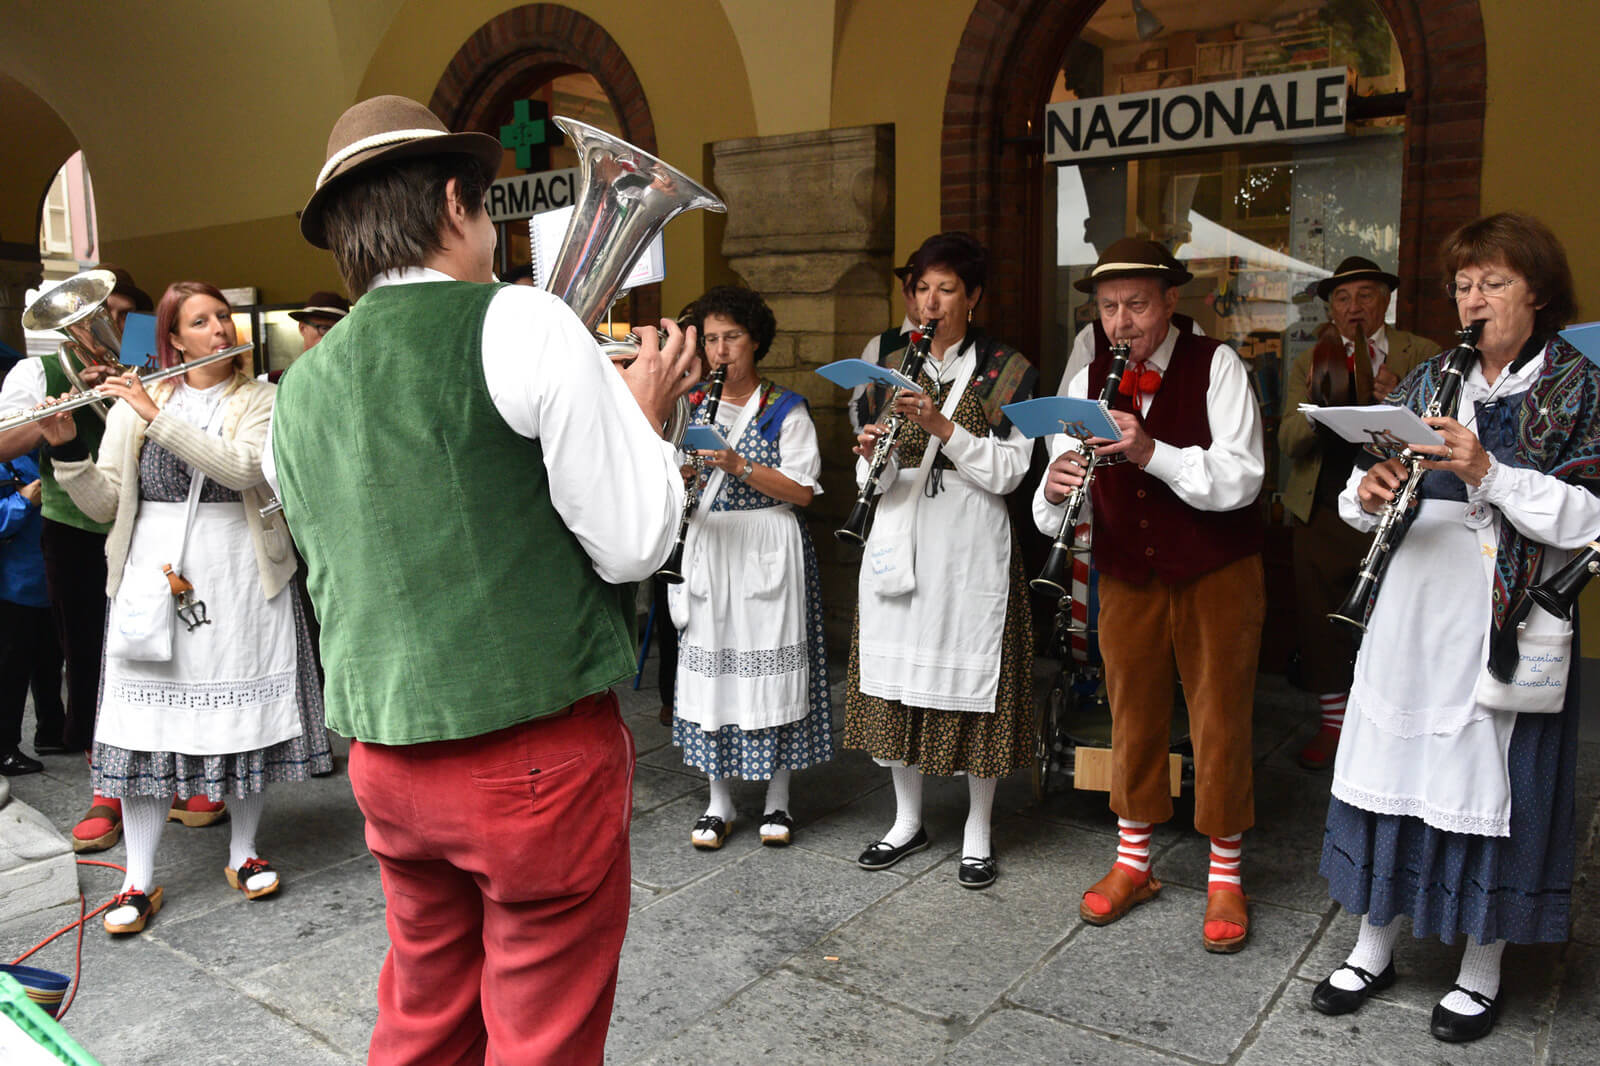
{"x": 1224, "y": 877}
{"x": 1133, "y": 855}
{"x": 1332, "y": 705}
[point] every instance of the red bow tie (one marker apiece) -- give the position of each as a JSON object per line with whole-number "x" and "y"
{"x": 1141, "y": 380}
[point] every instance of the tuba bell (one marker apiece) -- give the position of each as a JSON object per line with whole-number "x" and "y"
{"x": 77, "y": 309}
{"x": 625, "y": 197}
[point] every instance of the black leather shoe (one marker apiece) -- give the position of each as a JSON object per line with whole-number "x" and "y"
{"x": 977, "y": 873}
{"x": 48, "y": 745}
{"x": 1331, "y": 999}
{"x": 1455, "y": 1028}
{"x": 14, "y": 764}
{"x": 880, "y": 854}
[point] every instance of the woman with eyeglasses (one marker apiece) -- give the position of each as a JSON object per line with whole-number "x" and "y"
{"x": 751, "y": 697}
{"x": 1452, "y": 796}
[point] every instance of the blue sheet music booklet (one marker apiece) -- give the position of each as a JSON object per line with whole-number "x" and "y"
{"x": 703, "y": 439}
{"x": 139, "y": 339}
{"x": 848, "y": 373}
{"x": 1585, "y": 338}
{"x": 1073, "y": 415}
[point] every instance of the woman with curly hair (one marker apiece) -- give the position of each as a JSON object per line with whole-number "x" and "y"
{"x": 752, "y": 691}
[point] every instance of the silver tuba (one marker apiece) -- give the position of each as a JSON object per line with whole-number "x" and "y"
{"x": 625, "y": 197}
{"x": 77, "y": 309}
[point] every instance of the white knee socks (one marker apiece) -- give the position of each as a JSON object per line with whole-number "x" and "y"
{"x": 777, "y": 792}
{"x": 721, "y": 803}
{"x": 907, "y": 805}
{"x": 1480, "y": 972}
{"x": 245, "y": 812}
{"x": 142, "y": 820}
{"x": 1373, "y": 952}
{"x": 980, "y": 810}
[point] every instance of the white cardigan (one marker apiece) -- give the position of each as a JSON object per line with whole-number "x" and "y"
{"x": 108, "y": 489}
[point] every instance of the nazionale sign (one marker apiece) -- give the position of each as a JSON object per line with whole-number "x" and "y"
{"x": 1306, "y": 105}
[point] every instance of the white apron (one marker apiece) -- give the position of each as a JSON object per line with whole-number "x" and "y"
{"x": 938, "y": 644}
{"x": 229, "y": 687}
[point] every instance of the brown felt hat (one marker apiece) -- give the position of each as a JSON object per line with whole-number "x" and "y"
{"x": 322, "y": 305}
{"x": 380, "y": 130}
{"x": 1356, "y": 268}
{"x": 1132, "y": 257}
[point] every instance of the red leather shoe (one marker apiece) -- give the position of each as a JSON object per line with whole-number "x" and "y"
{"x": 100, "y": 828}
{"x": 196, "y": 811}
{"x": 1319, "y": 753}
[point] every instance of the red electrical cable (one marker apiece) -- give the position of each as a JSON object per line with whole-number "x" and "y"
{"x": 77, "y": 964}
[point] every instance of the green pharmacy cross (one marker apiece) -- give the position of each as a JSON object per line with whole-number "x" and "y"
{"x": 531, "y": 134}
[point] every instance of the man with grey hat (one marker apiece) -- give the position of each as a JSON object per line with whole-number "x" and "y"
{"x": 1177, "y": 544}
{"x": 472, "y": 484}
{"x": 1359, "y": 360}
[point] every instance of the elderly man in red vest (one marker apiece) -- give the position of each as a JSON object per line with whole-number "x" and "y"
{"x": 1177, "y": 543}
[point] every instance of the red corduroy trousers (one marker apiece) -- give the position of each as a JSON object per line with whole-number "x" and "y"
{"x": 506, "y": 876}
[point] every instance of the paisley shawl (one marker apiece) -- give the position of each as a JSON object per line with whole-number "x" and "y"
{"x": 1558, "y": 433}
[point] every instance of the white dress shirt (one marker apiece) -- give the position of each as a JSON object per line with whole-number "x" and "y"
{"x": 24, "y": 387}
{"x": 612, "y": 479}
{"x": 1223, "y": 477}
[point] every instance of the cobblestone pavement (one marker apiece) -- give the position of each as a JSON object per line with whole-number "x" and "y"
{"x": 796, "y": 955}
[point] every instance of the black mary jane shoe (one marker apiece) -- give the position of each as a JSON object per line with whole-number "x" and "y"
{"x": 1455, "y": 1028}
{"x": 880, "y": 854}
{"x": 14, "y": 764}
{"x": 1329, "y": 998}
{"x": 718, "y": 828}
{"x": 976, "y": 872}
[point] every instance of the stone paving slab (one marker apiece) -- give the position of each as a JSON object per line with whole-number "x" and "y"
{"x": 329, "y": 986}
{"x": 1382, "y": 1033}
{"x": 936, "y": 947}
{"x": 662, "y": 854}
{"x": 1141, "y": 977}
{"x": 1022, "y": 1038}
{"x": 789, "y": 1020}
{"x": 688, "y": 953}
{"x": 1575, "y": 1031}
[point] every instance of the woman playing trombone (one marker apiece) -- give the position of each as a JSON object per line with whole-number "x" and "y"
{"x": 1452, "y": 803}
{"x": 752, "y": 682}
{"x": 940, "y": 665}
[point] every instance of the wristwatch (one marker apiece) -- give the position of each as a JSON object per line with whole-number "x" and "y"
{"x": 749, "y": 468}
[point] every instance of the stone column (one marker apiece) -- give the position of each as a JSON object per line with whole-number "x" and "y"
{"x": 20, "y": 270}
{"x": 811, "y": 228}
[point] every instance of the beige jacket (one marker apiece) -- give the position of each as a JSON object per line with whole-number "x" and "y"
{"x": 1299, "y": 440}
{"x": 108, "y": 490}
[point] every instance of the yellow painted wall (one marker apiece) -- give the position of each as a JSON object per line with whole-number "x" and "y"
{"x": 25, "y": 119}
{"x": 787, "y": 48}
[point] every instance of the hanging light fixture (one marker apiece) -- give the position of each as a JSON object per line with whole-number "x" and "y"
{"x": 1145, "y": 24}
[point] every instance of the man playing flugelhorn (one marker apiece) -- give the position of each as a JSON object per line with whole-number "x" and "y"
{"x": 1177, "y": 542}
{"x": 1369, "y": 359}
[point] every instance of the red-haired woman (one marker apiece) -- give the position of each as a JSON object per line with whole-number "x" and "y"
{"x": 236, "y": 706}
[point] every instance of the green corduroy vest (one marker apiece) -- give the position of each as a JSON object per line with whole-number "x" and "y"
{"x": 54, "y": 502}
{"x": 453, "y": 600}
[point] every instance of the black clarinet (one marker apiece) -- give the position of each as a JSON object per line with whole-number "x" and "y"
{"x": 1386, "y": 538}
{"x": 1558, "y": 596}
{"x": 672, "y": 570}
{"x": 1054, "y": 578}
{"x": 860, "y": 520}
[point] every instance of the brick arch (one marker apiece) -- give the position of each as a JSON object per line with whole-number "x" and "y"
{"x": 535, "y": 42}
{"x": 993, "y": 171}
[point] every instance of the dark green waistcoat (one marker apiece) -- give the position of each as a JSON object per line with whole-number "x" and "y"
{"x": 55, "y": 504}
{"x": 453, "y": 599}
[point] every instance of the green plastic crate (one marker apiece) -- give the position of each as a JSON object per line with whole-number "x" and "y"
{"x": 24, "y": 1020}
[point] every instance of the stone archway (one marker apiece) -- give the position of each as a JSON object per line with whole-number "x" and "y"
{"x": 535, "y": 42}
{"x": 993, "y": 173}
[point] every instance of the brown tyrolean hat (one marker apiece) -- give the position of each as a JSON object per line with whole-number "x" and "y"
{"x": 380, "y": 130}
{"x": 1131, "y": 257}
{"x": 322, "y": 306}
{"x": 1355, "y": 268}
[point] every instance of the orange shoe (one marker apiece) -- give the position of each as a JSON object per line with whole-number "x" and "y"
{"x": 196, "y": 811}
{"x": 101, "y": 827}
{"x": 1319, "y": 753}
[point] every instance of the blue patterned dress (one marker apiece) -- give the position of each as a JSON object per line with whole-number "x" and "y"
{"x": 751, "y": 647}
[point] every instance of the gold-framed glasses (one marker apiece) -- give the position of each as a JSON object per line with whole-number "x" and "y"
{"x": 1490, "y": 287}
